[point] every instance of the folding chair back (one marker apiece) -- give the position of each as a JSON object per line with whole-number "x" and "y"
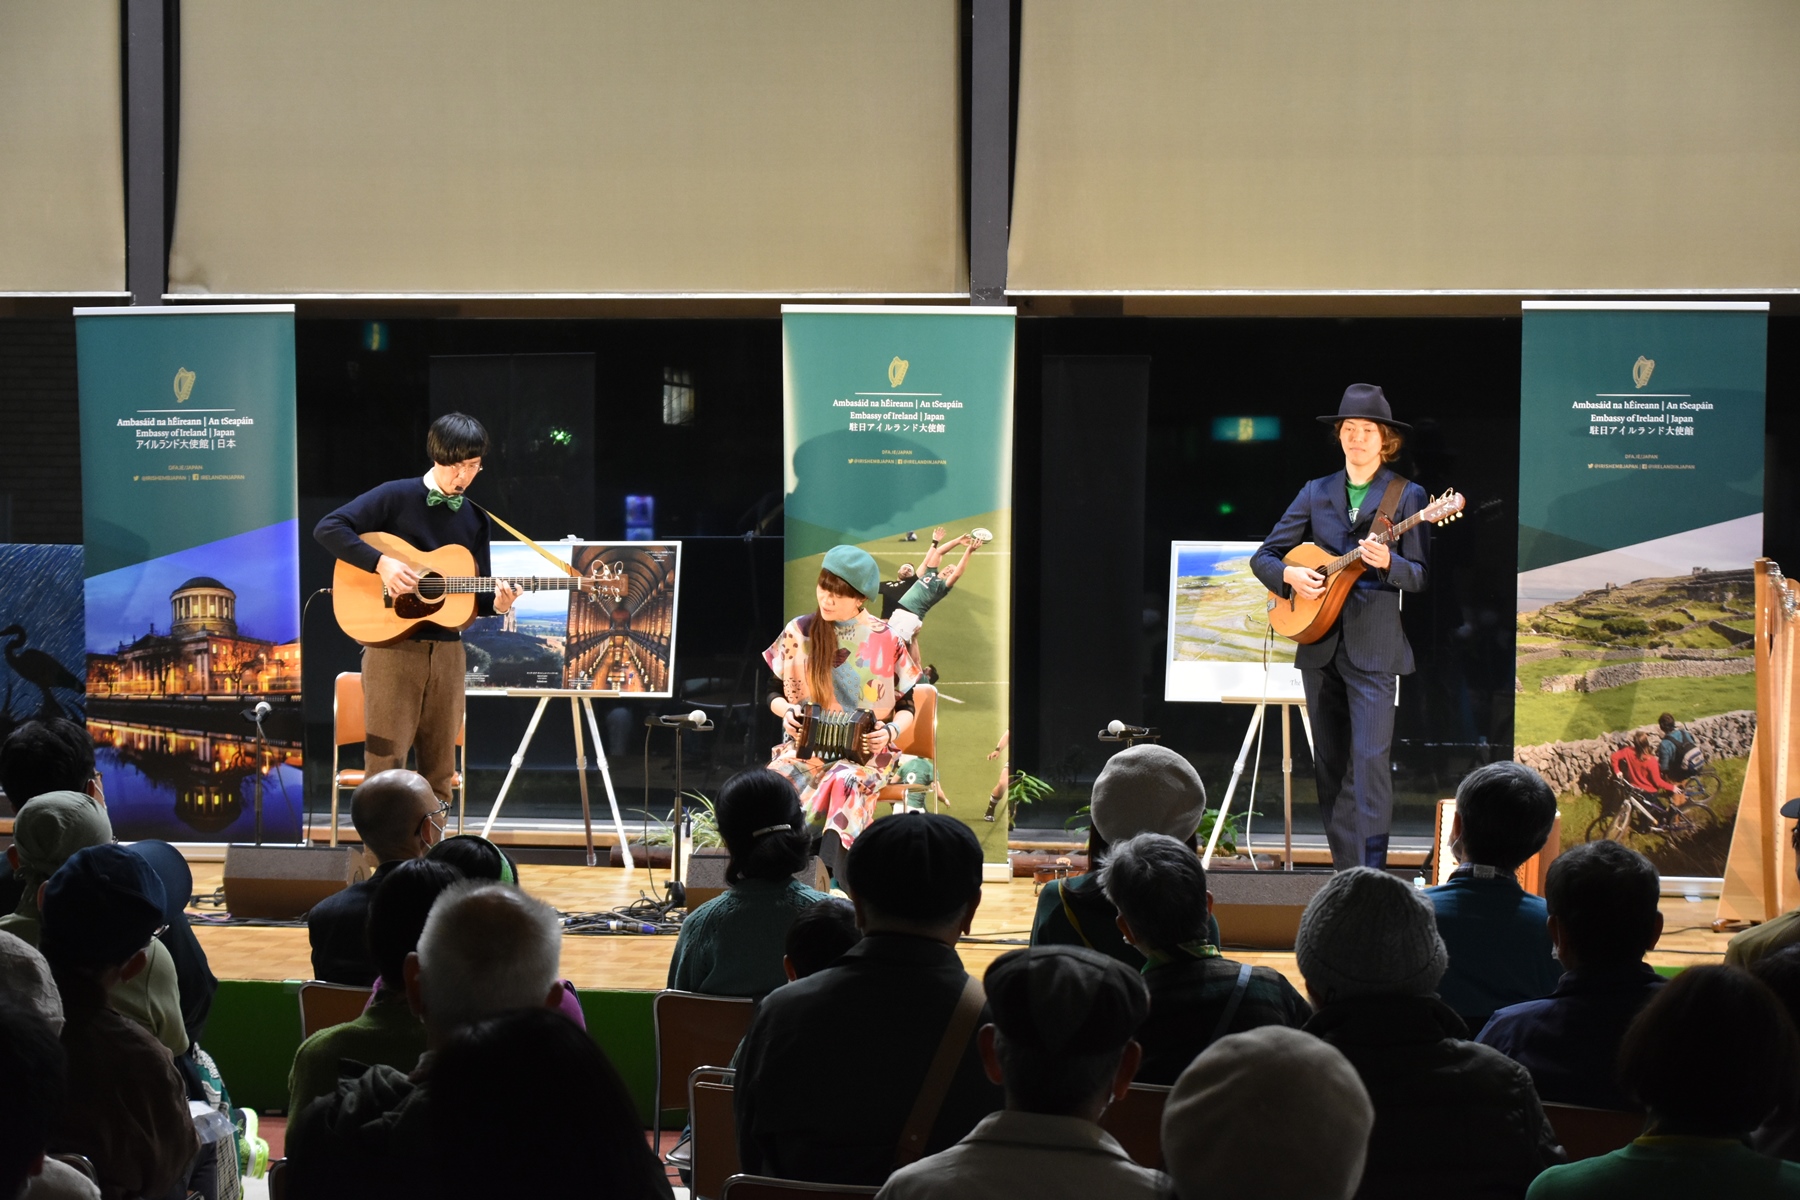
{"x": 323, "y": 1005}
{"x": 764, "y": 1187}
{"x": 692, "y": 1031}
{"x": 1136, "y": 1123}
{"x": 1591, "y": 1132}
{"x": 714, "y": 1145}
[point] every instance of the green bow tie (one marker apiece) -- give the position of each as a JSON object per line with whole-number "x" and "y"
{"x": 455, "y": 502}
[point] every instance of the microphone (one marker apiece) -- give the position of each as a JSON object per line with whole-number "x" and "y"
{"x": 697, "y": 721}
{"x": 1119, "y": 731}
{"x": 262, "y": 709}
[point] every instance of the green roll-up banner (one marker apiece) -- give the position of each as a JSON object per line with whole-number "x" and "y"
{"x": 899, "y": 420}
{"x": 190, "y": 517}
{"x": 1640, "y": 514}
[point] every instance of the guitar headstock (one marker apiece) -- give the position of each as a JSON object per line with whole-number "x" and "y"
{"x": 605, "y": 581}
{"x": 1446, "y": 507}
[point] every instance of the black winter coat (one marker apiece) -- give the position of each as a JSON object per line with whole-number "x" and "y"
{"x": 1452, "y": 1118}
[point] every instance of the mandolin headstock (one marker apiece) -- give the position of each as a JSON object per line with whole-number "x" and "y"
{"x": 1446, "y": 507}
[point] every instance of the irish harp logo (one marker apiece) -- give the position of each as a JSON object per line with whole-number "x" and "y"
{"x": 184, "y": 385}
{"x": 897, "y": 371}
{"x": 1640, "y": 370}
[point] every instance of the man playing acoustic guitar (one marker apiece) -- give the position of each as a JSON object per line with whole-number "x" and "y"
{"x": 1351, "y": 673}
{"x": 413, "y": 689}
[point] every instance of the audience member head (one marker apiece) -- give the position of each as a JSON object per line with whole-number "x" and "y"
{"x": 819, "y": 937}
{"x": 397, "y": 914}
{"x": 1504, "y": 812}
{"x": 46, "y": 832}
{"x": 101, "y": 909}
{"x": 563, "y": 1120}
{"x": 1270, "y": 1112}
{"x": 35, "y": 1069}
{"x": 916, "y": 873}
{"x": 485, "y": 948}
{"x": 1144, "y": 789}
{"x": 1061, "y": 1041}
{"x": 1780, "y": 973}
{"x": 474, "y": 857}
{"x": 396, "y": 815}
{"x": 54, "y": 755}
{"x": 1711, "y": 1055}
{"x": 1366, "y": 933}
{"x": 25, "y": 976}
{"x": 173, "y": 872}
{"x": 759, "y": 818}
{"x": 1602, "y": 901}
{"x": 1159, "y": 888}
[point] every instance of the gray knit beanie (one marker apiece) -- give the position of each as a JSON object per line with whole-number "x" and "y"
{"x": 1368, "y": 934}
{"x": 1147, "y": 789}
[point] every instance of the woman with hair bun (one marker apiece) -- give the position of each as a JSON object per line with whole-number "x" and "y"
{"x": 732, "y": 945}
{"x": 841, "y": 657}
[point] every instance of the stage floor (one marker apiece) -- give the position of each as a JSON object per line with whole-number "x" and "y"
{"x": 641, "y": 963}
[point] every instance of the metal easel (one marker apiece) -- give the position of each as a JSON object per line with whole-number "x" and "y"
{"x": 578, "y": 704}
{"x": 1262, "y": 704}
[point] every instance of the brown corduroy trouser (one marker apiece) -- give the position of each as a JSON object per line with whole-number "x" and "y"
{"x": 413, "y": 699}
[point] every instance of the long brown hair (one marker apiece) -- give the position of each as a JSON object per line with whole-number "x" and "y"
{"x": 822, "y": 643}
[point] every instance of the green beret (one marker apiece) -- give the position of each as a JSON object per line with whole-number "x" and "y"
{"x": 856, "y": 567}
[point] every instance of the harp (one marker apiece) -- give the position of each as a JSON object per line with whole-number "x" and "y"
{"x": 831, "y": 736}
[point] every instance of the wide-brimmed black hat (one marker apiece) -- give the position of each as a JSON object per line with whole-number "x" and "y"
{"x": 1365, "y": 402}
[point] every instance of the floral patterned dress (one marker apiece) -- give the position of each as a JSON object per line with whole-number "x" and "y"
{"x": 874, "y": 670}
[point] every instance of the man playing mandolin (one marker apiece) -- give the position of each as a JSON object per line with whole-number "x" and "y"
{"x": 1351, "y": 672}
{"x": 413, "y": 688}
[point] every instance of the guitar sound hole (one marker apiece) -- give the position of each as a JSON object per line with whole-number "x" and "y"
{"x": 431, "y": 587}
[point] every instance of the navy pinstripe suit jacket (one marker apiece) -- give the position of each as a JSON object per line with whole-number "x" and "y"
{"x": 1370, "y": 622}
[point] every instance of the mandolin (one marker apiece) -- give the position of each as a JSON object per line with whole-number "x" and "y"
{"x": 445, "y": 596}
{"x": 1306, "y": 621}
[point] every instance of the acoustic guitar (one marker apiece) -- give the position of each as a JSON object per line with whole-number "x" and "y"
{"x": 1306, "y": 621}
{"x": 445, "y": 596}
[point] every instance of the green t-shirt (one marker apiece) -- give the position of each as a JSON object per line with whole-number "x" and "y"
{"x": 1358, "y": 492}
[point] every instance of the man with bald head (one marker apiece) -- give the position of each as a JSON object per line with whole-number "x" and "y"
{"x": 398, "y": 817}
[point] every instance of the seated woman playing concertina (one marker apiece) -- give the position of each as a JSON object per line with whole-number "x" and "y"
{"x": 733, "y": 944}
{"x": 842, "y": 657}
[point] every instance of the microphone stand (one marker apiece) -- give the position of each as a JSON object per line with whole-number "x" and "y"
{"x": 680, "y": 724}
{"x": 262, "y": 757}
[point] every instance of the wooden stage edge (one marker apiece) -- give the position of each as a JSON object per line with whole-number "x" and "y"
{"x": 633, "y": 962}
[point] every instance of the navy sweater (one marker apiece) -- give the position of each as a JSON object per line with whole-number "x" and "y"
{"x": 399, "y": 508}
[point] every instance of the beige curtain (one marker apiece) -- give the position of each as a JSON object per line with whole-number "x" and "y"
{"x": 62, "y": 174}
{"x": 1481, "y": 145}
{"x": 569, "y": 146}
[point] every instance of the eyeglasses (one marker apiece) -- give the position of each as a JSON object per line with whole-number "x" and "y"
{"x": 439, "y": 818}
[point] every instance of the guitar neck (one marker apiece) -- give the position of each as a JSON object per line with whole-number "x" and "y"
{"x": 1388, "y": 538}
{"x": 466, "y": 584}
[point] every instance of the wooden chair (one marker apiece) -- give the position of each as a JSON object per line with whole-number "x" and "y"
{"x": 323, "y": 1005}
{"x": 348, "y": 729}
{"x": 920, "y": 740}
{"x": 1591, "y": 1132}
{"x": 692, "y": 1031}
{"x": 714, "y": 1144}
{"x": 764, "y": 1187}
{"x": 1136, "y": 1123}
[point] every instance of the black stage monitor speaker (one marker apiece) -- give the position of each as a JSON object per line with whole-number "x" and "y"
{"x": 283, "y": 882}
{"x": 1261, "y": 909}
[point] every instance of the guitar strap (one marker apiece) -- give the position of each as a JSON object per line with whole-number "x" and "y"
{"x": 1390, "y": 502}
{"x": 558, "y": 563}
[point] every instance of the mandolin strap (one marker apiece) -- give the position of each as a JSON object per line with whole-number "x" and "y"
{"x": 558, "y": 563}
{"x": 1390, "y": 503}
